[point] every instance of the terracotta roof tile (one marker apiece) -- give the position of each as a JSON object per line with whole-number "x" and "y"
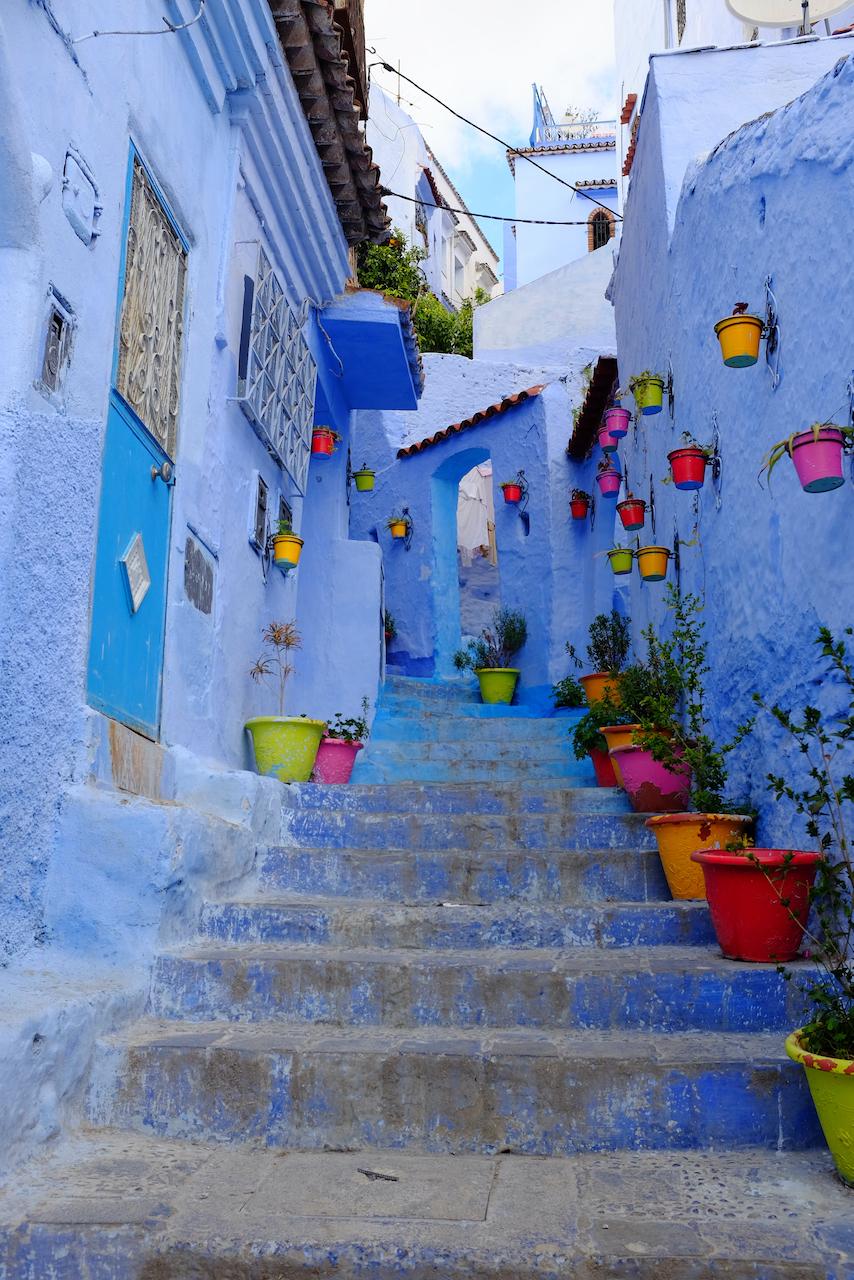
{"x": 482, "y": 415}
{"x": 628, "y": 108}
{"x": 595, "y": 402}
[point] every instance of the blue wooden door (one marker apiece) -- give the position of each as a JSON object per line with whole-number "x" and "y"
{"x": 131, "y": 564}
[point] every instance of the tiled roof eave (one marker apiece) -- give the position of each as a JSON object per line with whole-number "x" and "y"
{"x": 313, "y": 47}
{"x": 475, "y": 420}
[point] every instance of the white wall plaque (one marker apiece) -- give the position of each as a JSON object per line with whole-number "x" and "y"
{"x": 136, "y": 572}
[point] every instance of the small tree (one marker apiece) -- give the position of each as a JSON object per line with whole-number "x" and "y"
{"x": 281, "y": 639}
{"x": 610, "y": 641}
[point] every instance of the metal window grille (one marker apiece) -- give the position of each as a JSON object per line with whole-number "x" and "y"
{"x": 601, "y": 229}
{"x": 277, "y": 375}
{"x": 681, "y": 17}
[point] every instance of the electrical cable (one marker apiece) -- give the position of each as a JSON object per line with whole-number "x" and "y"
{"x": 386, "y": 66}
{"x": 169, "y": 28}
{"x": 494, "y": 217}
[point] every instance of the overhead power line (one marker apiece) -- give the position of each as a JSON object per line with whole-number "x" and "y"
{"x": 386, "y": 66}
{"x": 495, "y": 217}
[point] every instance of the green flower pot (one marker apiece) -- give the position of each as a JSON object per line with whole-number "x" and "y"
{"x": 285, "y": 746}
{"x": 497, "y": 684}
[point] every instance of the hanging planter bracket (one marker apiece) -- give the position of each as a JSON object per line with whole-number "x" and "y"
{"x": 716, "y": 464}
{"x": 592, "y": 510}
{"x": 668, "y": 391}
{"x": 772, "y": 333}
{"x": 407, "y": 541}
{"x": 523, "y": 501}
{"x": 651, "y": 503}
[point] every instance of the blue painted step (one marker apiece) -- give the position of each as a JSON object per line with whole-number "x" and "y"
{"x": 468, "y": 875}
{"x": 455, "y": 729}
{"x": 665, "y": 988}
{"x": 467, "y": 797}
{"x": 406, "y": 767}
{"x": 532, "y": 1093}
{"x": 343, "y": 922}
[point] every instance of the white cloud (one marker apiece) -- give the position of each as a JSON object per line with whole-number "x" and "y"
{"x": 482, "y": 58}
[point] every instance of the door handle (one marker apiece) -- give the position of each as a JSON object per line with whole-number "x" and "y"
{"x": 163, "y": 472}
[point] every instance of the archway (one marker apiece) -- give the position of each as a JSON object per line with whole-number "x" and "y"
{"x": 445, "y": 487}
{"x": 477, "y": 550}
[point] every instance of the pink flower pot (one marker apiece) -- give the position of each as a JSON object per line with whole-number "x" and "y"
{"x": 617, "y": 421}
{"x": 607, "y": 442}
{"x": 335, "y": 760}
{"x": 651, "y": 787}
{"x": 819, "y": 462}
{"x": 609, "y": 483}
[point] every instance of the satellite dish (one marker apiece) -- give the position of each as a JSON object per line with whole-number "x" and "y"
{"x": 783, "y": 13}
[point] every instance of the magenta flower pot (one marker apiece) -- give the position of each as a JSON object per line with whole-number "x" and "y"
{"x": 607, "y": 442}
{"x": 819, "y": 462}
{"x": 609, "y": 483}
{"x": 650, "y": 786}
{"x": 335, "y": 760}
{"x": 617, "y": 421}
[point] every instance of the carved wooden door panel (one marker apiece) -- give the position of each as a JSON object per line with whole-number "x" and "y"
{"x": 129, "y": 597}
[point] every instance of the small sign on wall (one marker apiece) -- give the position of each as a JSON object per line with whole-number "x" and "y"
{"x": 198, "y": 575}
{"x": 137, "y": 577}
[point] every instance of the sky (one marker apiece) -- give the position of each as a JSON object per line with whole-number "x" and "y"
{"x": 482, "y": 59}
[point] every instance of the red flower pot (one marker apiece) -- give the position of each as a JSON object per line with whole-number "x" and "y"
{"x": 579, "y": 509}
{"x": 512, "y": 493}
{"x": 603, "y": 768}
{"x": 632, "y": 512}
{"x": 322, "y": 443}
{"x": 688, "y": 467}
{"x": 609, "y": 483}
{"x": 749, "y": 918}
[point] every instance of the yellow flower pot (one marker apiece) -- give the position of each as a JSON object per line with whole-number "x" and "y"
{"x": 619, "y": 735}
{"x": 287, "y": 548}
{"x": 398, "y": 529}
{"x": 364, "y": 480}
{"x": 497, "y": 684}
{"x": 739, "y": 337}
{"x": 678, "y": 835}
{"x": 652, "y": 562}
{"x": 831, "y": 1082}
{"x": 598, "y": 684}
{"x": 285, "y": 746}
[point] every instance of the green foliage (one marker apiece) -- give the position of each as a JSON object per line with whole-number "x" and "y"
{"x": 395, "y": 269}
{"x": 610, "y": 641}
{"x": 354, "y": 729}
{"x": 587, "y": 735}
{"x": 823, "y": 799}
{"x": 568, "y": 693}
{"x": 497, "y": 646}
{"x": 390, "y": 625}
{"x": 675, "y": 677}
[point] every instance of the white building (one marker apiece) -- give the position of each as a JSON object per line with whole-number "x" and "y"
{"x": 459, "y": 259}
{"x": 581, "y": 154}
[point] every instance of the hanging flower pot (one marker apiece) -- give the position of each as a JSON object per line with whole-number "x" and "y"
{"x": 652, "y": 562}
{"x": 650, "y": 786}
{"x": 617, "y": 421}
{"x": 746, "y": 891}
{"x": 831, "y": 1082}
{"x": 512, "y": 491}
{"x": 621, "y": 559}
{"x": 398, "y": 526}
{"x": 579, "y": 504}
{"x": 287, "y": 548}
{"x": 648, "y": 391}
{"x": 323, "y": 441}
{"x": 678, "y": 835}
{"x": 739, "y": 336}
{"x": 817, "y": 455}
{"x": 632, "y": 512}
{"x": 688, "y": 467}
{"x": 609, "y": 481}
{"x": 603, "y": 768}
{"x": 364, "y": 479}
{"x": 607, "y": 442}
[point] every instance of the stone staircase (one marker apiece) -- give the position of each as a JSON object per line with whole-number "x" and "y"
{"x": 465, "y": 959}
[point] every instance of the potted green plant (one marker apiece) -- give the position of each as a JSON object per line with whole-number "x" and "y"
{"x": 648, "y": 391}
{"x": 568, "y": 694}
{"x": 287, "y": 547}
{"x": 397, "y": 525}
{"x": 390, "y": 626}
{"x": 579, "y": 504}
{"x": 364, "y": 478}
{"x": 285, "y": 747}
{"x": 817, "y": 454}
{"x": 608, "y": 648}
{"x": 341, "y": 742}
{"x": 490, "y": 655}
{"x": 588, "y": 739}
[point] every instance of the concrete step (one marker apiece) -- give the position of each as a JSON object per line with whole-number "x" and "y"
{"x": 544, "y": 1094}
{"x": 397, "y": 767}
{"x": 463, "y": 689}
{"x": 343, "y": 922}
{"x": 249, "y": 1213}
{"x": 494, "y": 750}
{"x": 465, "y": 797}
{"x": 438, "y": 709}
{"x": 422, "y": 832}
{"x": 666, "y": 988}
{"x": 468, "y": 875}
{"x": 397, "y": 726}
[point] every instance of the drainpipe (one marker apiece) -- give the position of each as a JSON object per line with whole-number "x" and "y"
{"x": 20, "y": 259}
{"x": 668, "y": 25}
